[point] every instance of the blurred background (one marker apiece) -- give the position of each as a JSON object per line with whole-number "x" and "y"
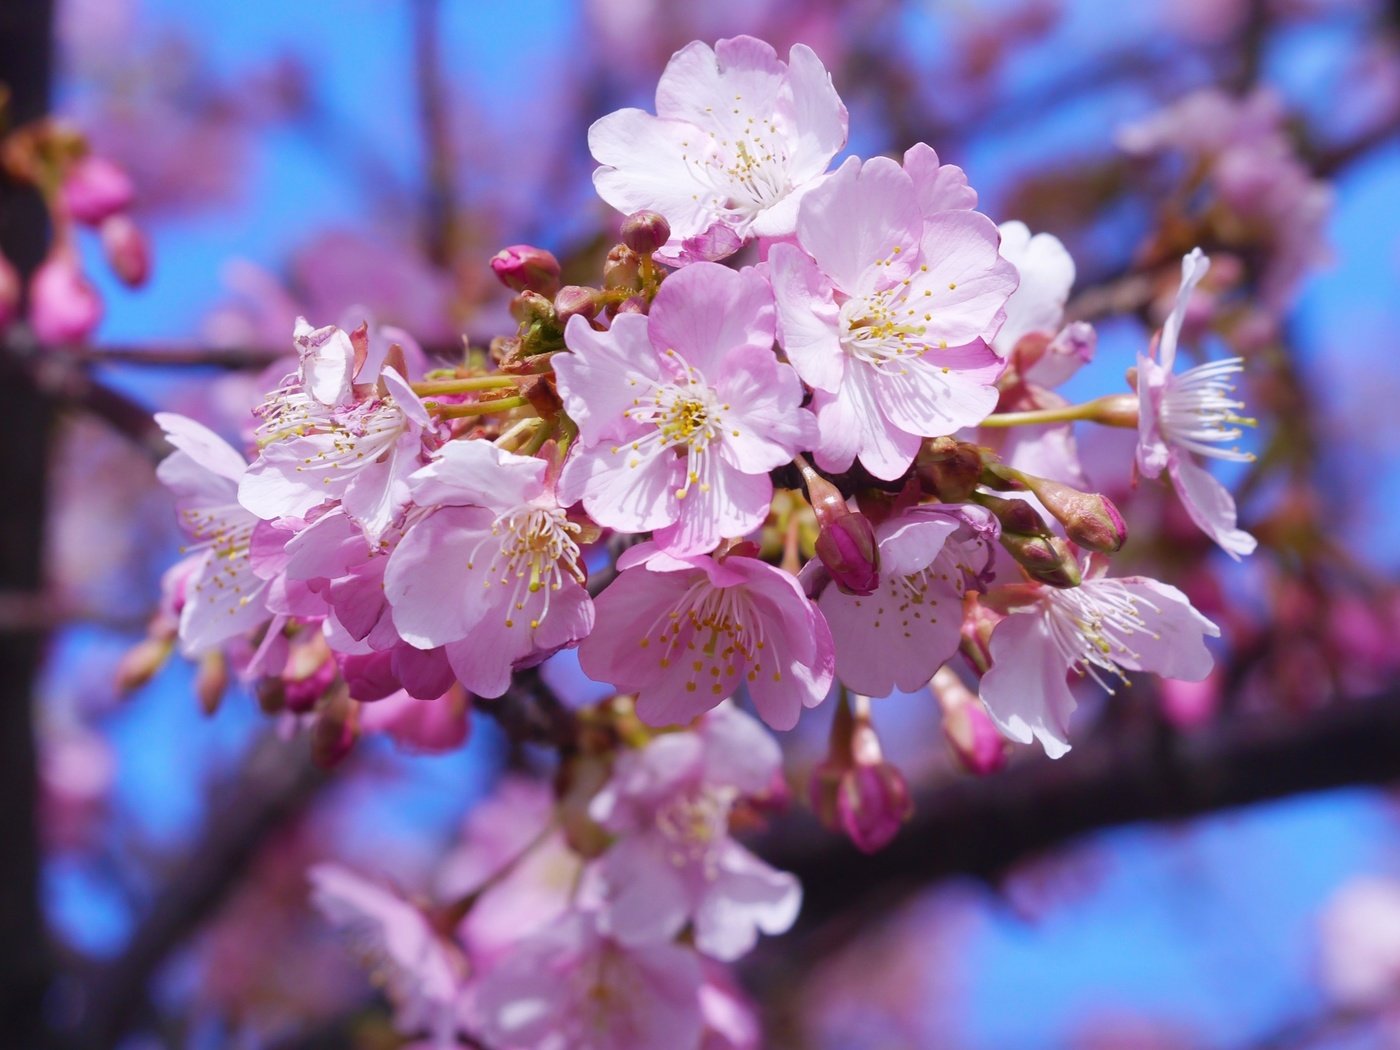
{"x": 1217, "y": 867}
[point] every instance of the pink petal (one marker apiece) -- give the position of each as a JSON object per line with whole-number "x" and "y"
{"x": 858, "y": 217}
{"x": 1025, "y": 692}
{"x": 939, "y": 187}
{"x": 706, "y": 310}
{"x": 808, "y": 318}
{"x": 1210, "y": 505}
{"x": 598, "y": 380}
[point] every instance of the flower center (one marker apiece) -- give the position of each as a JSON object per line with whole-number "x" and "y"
{"x": 684, "y": 415}
{"x": 744, "y": 164}
{"x": 1092, "y": 626}
{"x": 534, "y": 553}
{"x": 1199, "y": 411}
{"x": 888, "y": 327}
{"x": 717, "y": 631}
{"x": 694, "y": 825}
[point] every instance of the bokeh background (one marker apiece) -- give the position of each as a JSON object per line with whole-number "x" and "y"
{"x": 297, "y": 158}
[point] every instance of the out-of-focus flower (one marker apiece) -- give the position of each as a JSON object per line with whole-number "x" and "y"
{"x": 64, "y": 307}
{"x": 674, "y": 862}
{"x": 127, "y": 250}
{"x": 95, "y": 189}
{"x": 1359, "y": 932}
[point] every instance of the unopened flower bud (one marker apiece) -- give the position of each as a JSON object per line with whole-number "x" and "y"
{"x": 1045, "y": 558}
{"x": 636, "y": 304}
{"x": 949, "y": 469}
{"x": 532, "y": 308}
{"x": 211, "y": 681}
{"x": 309, "y": 672}
{"x": 10, "y": 287}
{"x": 141, "y": 662}
{"x": 977, "y": 626}
{"x": 854, "y": 790}
{"x": 95, "y": 189}
{"x": 645, "y": 232}
{"x": 622, "y": 268}
{"x": 848, "y": 549}
{"x": 1090, "y": 518}
{"x": 967, "y": 726}
{"x": 1015, "y": 516}
{"x": 335, "y": 729}
{"x": 525, "y": 268}
{"x": 1115, "y": 410}
{"x": 63, "y": 305}
{"x": 127, "y": 250}
{"x": 576, "y": 299}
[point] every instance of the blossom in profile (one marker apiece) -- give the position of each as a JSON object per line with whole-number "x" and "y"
{"x": 1359, "y": 958}
{"x": 885, "y": 311}
{"x": 492, "y": 574}
{"x": 221, "y": 597}
{"x": 674, "y": 861}
{"x": 685, "y": 633}
{"x": 897, "y": 637}
{"x": 1101, "y": 628}
{"x": 422, "y": 972}
{"x": 1193, "y": 414}
{"x": 682, "y": 413}
{"x": 739, "y": 136}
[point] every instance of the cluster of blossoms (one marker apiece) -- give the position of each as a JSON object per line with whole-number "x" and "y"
{"x": 79, "y": 188}
{"x": 778, "y": 436}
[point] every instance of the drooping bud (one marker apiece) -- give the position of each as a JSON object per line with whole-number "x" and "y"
{"x": 967, "y": 726}
{"x": 1046, "y": 558}
{"x": 576, "y": 299}
{"x": 645, "y": 232}
{"x": 63, "y": 305}
{"x": 95, "y": 189}
{"x": 141, "y": 662}
{"x": 210, "y": 681}
{"x": 854, "y": 790}
{"x": 846, "y": 543}
{"x": 127, "y": 250}
{"x": 310, "y": 670}
{"x": 335, "y": 729}
{"x": 949, "y": 469}
{"x": 622, "y": 268}
{"x": 10, "y": 288}
{"x": 1090, "y": 518}
{"x": 525, "y": 268}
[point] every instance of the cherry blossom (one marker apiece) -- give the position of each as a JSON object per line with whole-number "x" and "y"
{"x": 493, "y": 573}
{"x": 222, "y": 597}
{"x": 884, "y": 313}
{"x": 571, "y": 987}
{"x": 1101, "y": 629}
{"x": 685, "y": 633}
{"x": 682, "y": 413}
{"x": 674, "y": 862}
{"x": 899, "y": 636}
{"x": 1194, "y": 413}
{"x": 738, "y": 138}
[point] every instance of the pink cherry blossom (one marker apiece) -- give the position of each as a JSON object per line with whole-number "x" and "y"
{"x": 884, "y": 311}
{"x": 570, "y": 987}
{"x": 1194, "y": 413}
{"x": 674, "y": 862}
{"x": 422, "y": 972}
{"x": 64, "y": 307}
{"x": 685, "y": 633}
{"x": 424, "y": 727}
{"x": 360, "y": 454}
{"x": 682, "y": 413}
{"x": 899, "y": 636}
{"x": 222, "y": 596}
{"x": 1047, "y": 274}
{"x": 1101, "y": 629}
{"x": 1360, "y": 943}
{"x": 738, "y": 137}
{"x": 493, "y": 573}
{"x": 95, "y": 189}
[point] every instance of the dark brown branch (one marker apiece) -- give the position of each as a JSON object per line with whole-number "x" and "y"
{"x": 981, "y": 827}
{"x": 277, "y": 780}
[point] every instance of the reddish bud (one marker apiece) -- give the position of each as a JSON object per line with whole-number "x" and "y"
{"x": 141, "y": 662}
{"x": 95, "y": 189}
{"x": 636, "y": 304}
{"x": 848, "y": 549}
{"x": 525, "y": 268}
{"x": 128, "y": 252}
{"x": 10, "y": 288}
{"x": 645, "y": 232}
{"x": 950, "y": 469}
{"x": 335, "y": 729}
{"x": 622, "y": 268}
{"x": 309, "y": 672}
{"x": 967, "y": 726}
{"x": 576, "y": 299}
{"x": 1090, "y": 519}
{"x": 532, "y": 308}
{"x": 1045, "y": 558}
{"x": 63, "y": 305}
{"x": 211, "y": 681}
{"x": 855, "y": 790}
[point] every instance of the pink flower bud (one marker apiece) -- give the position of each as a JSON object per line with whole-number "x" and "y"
{"x": 532, "y": 308}
{"x": 141, "y": 662}
{"x": 1090, "y": 518}
{"x": 525, "y": 268}
{"x": 96, "y": 189}
{"x": 622, "y": 268}
{"x": 636, "y": 304}
{"x": 335, "y": 729}
{"x": 577, "y": 299}
{"x": 967, "y": 726}
{"x": 211, "y": 681}
{"x": 645, "y": 232}
{"x": 10, "y": 287}
{"x": 63, "y": 305}
{"x": 1046, "y": 559}
{"x": 128, "y": 251}
{"x": 848, "y": 549}
{"x": 871, "y": 803}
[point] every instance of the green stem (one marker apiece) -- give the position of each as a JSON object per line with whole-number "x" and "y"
{"x": 462, "y": 386}
{"x": 1110, "y": 411}
{"x": 481, "y": 408}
